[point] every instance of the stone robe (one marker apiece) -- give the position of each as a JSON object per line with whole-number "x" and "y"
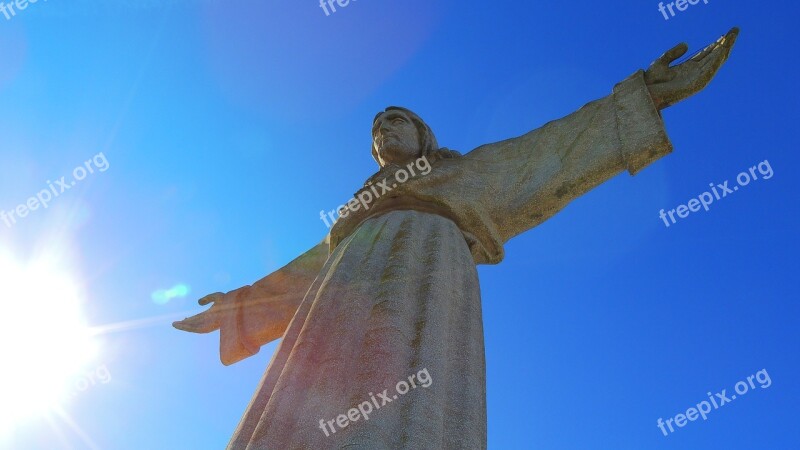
{"x": 394, "y": 289}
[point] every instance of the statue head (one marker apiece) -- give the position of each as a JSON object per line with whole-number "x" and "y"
{"x": 399, "y": 136}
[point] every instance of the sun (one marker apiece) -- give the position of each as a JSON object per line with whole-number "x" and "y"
{"x": 45, "y": 340}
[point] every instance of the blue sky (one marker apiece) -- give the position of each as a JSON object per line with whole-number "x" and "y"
{"x": 228, "y": 126}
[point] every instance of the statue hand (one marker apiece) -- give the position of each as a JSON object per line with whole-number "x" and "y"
{"x": 669, "y": 85}
{"x": 210, "y": 319}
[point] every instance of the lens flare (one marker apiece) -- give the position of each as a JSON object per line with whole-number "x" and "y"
{"x": 163, "y": 296}
{"x": 44, "y": 337}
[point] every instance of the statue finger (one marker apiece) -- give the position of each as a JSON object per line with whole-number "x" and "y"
{"x": 705, "y": 52}
{"x": 724, "y": 44}
{"x": 728, "y": 42}
{"x": 199, "y": 323}
{"x": 672, "y": 54}
{"x": 731, "y": 36}
{"x": 211, "y": 298}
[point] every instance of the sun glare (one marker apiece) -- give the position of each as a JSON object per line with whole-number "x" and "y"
{"x": 45, "y": 339}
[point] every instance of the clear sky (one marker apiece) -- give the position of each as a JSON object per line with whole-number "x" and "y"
{"x": 214, "y": 132}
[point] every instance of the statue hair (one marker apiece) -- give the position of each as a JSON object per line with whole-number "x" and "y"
{"x": 427, "y": 141}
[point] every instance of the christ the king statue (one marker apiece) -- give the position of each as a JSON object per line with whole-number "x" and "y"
{"x": 393, "y": 290}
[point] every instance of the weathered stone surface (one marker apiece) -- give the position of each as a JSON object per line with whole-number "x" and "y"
{"x": 393, "y": 289}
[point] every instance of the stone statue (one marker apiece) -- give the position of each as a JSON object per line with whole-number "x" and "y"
{"x": 392, "y": 291}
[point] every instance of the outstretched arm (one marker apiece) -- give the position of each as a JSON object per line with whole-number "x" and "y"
{"x": 530, "y": 178}
{"x": 252, "y": 316}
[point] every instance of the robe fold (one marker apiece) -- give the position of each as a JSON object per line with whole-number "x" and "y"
{"x": 395, "y": 290}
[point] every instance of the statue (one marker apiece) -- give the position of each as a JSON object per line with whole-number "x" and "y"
{"x": 392, "y": 292}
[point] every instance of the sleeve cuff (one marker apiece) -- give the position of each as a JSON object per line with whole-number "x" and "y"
{"x": 234, "y": 344}
{"x": 640, "y": 127}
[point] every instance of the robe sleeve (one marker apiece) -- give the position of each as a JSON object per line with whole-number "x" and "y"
{"x": 530, "y": 178}
{"x": 255, "y": 315}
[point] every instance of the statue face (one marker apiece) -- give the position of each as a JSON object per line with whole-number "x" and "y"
{"x": 396, "y": 138}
